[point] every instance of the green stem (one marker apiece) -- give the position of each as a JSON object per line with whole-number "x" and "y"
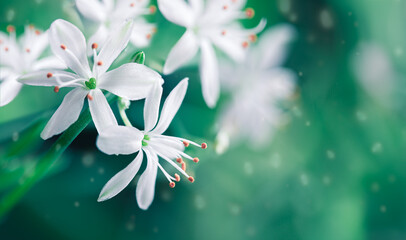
{"x": 124, "y": 117}
{"x": 46, "y": 162}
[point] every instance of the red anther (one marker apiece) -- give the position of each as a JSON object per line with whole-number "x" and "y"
{"x": 172, "y": 184}
{"x": 56, "y": 89}
{"x": 63, "y": 46}
{"x": 249, "y": 12}
{"x": 49, "y": 75}
{"x": 253, "y": 38}
{"x": 225, "y": 7}
{"x": 191, "y": 179}
{"x": 6, "y": 49}
{"x": 28, "y": 50}
{"x": 132, "y": 5}
{"x": 186, "y": 143}
{"x": 152, "y": 9}
{"x": 245, "y": 44}
{"x": 179, "y": 160}
{"x": 37, "y": 32}
{"x": 177, "y": 177}
{"x": 99, "y": 63}
{"x": 11, "y": 28}
{"x": 196, "y": 160}
{"x": 95, "y": 46}
{"x": 204, "y": 145}
{"x": 183, "y": 166}
{"x": 149, "y": 36}
{"x": 223, "y": 32}
{"x": 89, "y": 97}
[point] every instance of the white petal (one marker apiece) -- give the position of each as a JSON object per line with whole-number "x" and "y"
{"x": 67, "y": 113}
{"x": 146, "y": 184}
{"x": 92, "y": 9}
{"x": 9, "y": 89}
{"x": 209, "y": 74}
{"x": 151, "y": 108}
{"x": 171, "y": 106}
{"x": 5, "y": 72}
{"x": 177, "y": 11}
{"x": 184, "y": 50}
{"x": 117, "y": 183}
{"x": 33, "y": 41}
{"x": 142, "y": 33}
{"x": 50, "y": 62}
{"x": 131, "y": 80}
{"x": 63, "y": 32}
{"x": 119, "y": 140}
{"x": 102, "y": 114}
{"x": 99, "y": 37}
{"x": 114, "y": 46}
{"x": 129, "y": 9}
{"x": 39, "y": 78}
{"x": 197, "y": 6}
{"x": 230, "y": 45}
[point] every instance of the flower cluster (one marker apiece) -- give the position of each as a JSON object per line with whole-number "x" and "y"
{"x": 256, "y": 82}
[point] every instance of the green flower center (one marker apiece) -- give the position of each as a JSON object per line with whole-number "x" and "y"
{"x": 91, "y": 84}
{"x": 144, "y": 141}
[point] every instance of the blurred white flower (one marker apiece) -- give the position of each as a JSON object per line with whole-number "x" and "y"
{"x": 128, "y": 140}
{"x": 132, "y": 80}
{"x": 214, "y": 22}
{"x": 256, "y": 87}
{"x": 18, "y": 57}
{"x": 109, "y": 14}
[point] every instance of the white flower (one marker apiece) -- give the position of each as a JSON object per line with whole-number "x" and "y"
{"x": 21, "y": 57}
{"x": 131, "y": 80}
{"x": 109, "y": 14}
{"x": 206, "y": 24}
{"x": 128, "y": 140}
{"x": 256, "y": 86}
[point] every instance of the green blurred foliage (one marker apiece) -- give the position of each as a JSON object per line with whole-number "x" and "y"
{"x": 337, "y": 170}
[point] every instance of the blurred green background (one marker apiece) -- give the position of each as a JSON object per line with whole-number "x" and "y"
{"x": 337, "y": 170}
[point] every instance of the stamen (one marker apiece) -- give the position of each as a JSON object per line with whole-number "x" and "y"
{"x": 196, "y": 160}
{"x": 172, "y": 184}
{"x": 132, "y": 5}
{"x": 183, "y": 166}
{"x": 223, "y": 32}
{"x": 6, "y": 49}
{"x": 56, "y": 89}
{"x": 154, "y": 30}
{"x": 233, "y": 1}
{"x": 191, "y": 179}
{"x": 177, "y": 177}
{"x": 204, "y": 145}
{"x": 186, "y": 143}
{"x": 225, "y": 7}
{"x": 253, "y": 38}
{"x": 49, "y": 75}
{"x": 245, "y": 44}
{"x": 99, "y": 63}
{"x": 63, "y": 47}
{"x": 31, "y": 26}
{"x": 179, "y": 160}
{"x": 89, "y": 97}
{"x": 249, "y": 12}
{"x": 152, "y": 9}
{"x": 11, "y": 28}
{"x": 28, "y": 50}
{"x": 149, "y": 36}
{"x": 37, "y": 32}
{"x": 1, "y": 41}
{"x": 95, "y": 46}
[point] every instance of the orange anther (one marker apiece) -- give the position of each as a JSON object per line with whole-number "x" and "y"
{"x": 204, "y": 145}
{"x": 89, "y": 97}
{"x": 253, "y": 38}
{"x": 196, "y": 160}
{"x": 186, "y": 143}
{"x": 152, "y": 9}
{"x": 49, "y": 75}
{"x": 191, "y": 179}
{"x": 37, "y": 32}
{"x": 28, "y": 50}
{"x": 183, "y": 166}
{"x": 177, "y": 177}
{"x": 245, "y": 44}
{"x": 56, "y": 89}
{"x": 99, "y": 63}
{"x": 63, "y": 46}
{"x": 179, "y": 160}
{"x": 11, "y": 28}
{"x": 149, "y": 36}
{"x": 249, "y": 12}
{"x": 172, "y": 184}
{"x": 95, "y": 46}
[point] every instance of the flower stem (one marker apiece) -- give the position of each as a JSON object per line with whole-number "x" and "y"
{"x": 122, "y": 106}
{"x": 46, "y": 161}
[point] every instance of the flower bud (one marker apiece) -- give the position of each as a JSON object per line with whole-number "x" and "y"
{"x": 138, "y": 57}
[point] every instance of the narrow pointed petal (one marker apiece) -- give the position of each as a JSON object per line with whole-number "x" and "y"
{"x": 209, "y": 74}
{"x": 9, "y": 89}
{"x": 117, "y": 183}
{"x": 151, "y": 108}
{"x": 64, "y": 33}
{"x": 120, "y": 140}
{"x": 92, "y": 9}
{"x": 183, "y": 51}
{"x": 40, "y": 78}
{"x": 171, "y": 106}
{"x": 132, "y": 81}
{"x": 114, "y": 45}
{"x": 67, "y": 113}
{"x": 197, "y": 6}
{"x": 50, "y": 62}
{"x": 146, "y": 184}
{"x": 102, "y": 114}
{"x": 177, "y": 11}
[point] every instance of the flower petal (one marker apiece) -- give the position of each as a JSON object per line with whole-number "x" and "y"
{"x": 230, "y": 45}
{"x": 64, "y": 33}
{"x": 50, "y": 62}
{"x": 146, "y": 184}
{"x": 117, "y": 183}
{"x": 120, "y": 140}
{"x": 9, "y": 89}
{"x": 131, "y": 80}
{"x": 114, "y": 46}
{"x": 102, "y": 114}
{"x": 151, "y": 108}
{"x": 67, "y": 113}
{"x": 142, "y": 33}
{"x": 171, "y": 106}
{"x": 209, "y": 74}
{"x": 99, "y": 37}
{"x": 34, "y": 41}
{"x": 177, "y": 11}
{"x": 184, "y": 50}
{"x": 39, "y": 78}
{"x": 92, "y": 9}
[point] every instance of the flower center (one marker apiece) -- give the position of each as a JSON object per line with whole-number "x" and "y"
{"x": 144, "y": 141}
{"x": 91, "y": 84}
